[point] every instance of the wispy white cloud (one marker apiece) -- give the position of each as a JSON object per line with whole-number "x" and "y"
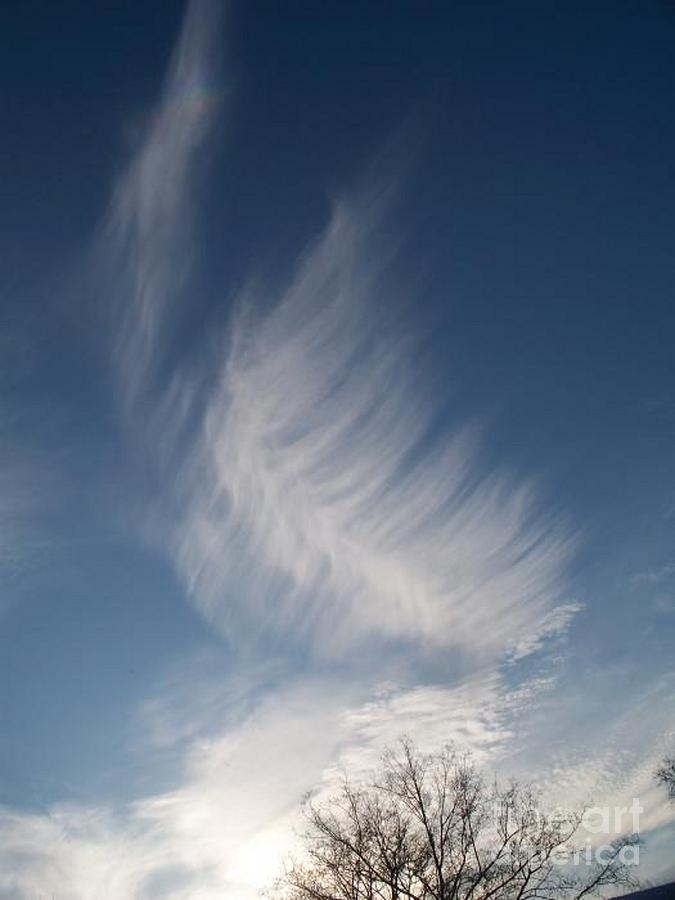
{"x": 318, "y": 500}
{"x": 659, "y": 580}
{"x": 228, "y": 822}
{"x": 310, "y": 501}
{"x": 315, "y": 489}
{"x": 145, "y": 248}
{"x": 654, "y": 576}
{"x": 480, "y": 714}
{"x": 221, "y": 829}
{"x": 664, "y": 603}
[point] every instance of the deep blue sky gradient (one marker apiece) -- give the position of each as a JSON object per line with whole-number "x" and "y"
{"x": 538, "y": 230}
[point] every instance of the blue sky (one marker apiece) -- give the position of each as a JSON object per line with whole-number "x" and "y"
{"x": 337, "y": 403}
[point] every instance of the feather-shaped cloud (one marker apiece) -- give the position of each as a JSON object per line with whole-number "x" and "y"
{"x": 317, "y": 503}
{"x": 309, "y": 501}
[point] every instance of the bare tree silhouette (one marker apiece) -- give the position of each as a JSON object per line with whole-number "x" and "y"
{"x": 666, "y": 775}
{"x": 430, "y": 828}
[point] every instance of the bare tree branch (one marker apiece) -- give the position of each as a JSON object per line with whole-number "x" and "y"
{"x": 428, "y": 828}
